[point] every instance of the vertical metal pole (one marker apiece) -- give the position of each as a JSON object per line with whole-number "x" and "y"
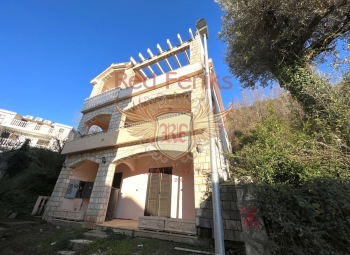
{"x": 218, "y": 229}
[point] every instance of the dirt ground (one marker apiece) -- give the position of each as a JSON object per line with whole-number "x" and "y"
{"x": 42, "y": 238}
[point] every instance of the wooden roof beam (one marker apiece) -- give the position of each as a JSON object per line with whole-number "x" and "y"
{"x": 166, "y": 61}
{"x": 185, "y": 52}
{"x": 148, "y": 67}
{"x": 190, "y": 31}
{"x": 157, "y": 64}
{"x": 132, "y": 60}
{"x": 171, "y": 47}
{"x": 163, "y": 55}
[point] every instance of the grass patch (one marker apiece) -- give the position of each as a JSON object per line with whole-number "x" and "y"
{"x": 59, "y": 240}
{"x": 121, "y": 244}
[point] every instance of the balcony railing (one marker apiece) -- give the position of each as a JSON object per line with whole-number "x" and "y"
{"x": 101, "y": 99}
{"x": 171, "y": 115}
{"x": 19, "y": 123}
{"x": 33, "y": 126}
{"x": 9, "y": 142}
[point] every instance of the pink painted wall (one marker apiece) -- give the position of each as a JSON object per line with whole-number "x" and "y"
{"x": 131, "y": 203}
{"x": 86, "y": 172}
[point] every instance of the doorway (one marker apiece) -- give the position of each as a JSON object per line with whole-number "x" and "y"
{"x": 117, "y": 180}
{"x": 158, "y": 199}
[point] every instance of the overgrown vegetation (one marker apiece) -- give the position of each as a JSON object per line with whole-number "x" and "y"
{"x": 281, "y": 41}
{"x": 31, "y": 172}
{"x": 301, "y": 167}
{"x": 295, "y": 146}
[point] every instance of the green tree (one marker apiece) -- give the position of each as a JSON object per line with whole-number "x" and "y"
{"x": 19, "y": 160}
{"x": 281, "y": 40}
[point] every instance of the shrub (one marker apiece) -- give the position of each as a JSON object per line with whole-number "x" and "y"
{"x": 313, "y": 219}
{"x": 301, "y": 176}
{"x": 19, "y": 160}
{"x": 20, "y": 191}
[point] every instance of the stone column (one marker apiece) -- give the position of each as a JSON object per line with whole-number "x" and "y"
{"x": 97, "y": 89}
{"x": 196, "y": 50}
{"x": 57, "y": 196}
{"x": 128, "y": 79}
{"x": 202, "y": 181}
{"x": 98, "y": 203}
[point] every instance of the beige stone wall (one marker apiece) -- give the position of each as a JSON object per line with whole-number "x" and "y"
{"x": 101, "y": 190}
{"x": 196, "y": 51}
{"x": 110, "y": 109}
{"x": 128, "y": 78}
{"x": 97, "y": 89}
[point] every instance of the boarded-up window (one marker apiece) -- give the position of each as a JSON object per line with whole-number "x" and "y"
{"x": 158, "y": 200}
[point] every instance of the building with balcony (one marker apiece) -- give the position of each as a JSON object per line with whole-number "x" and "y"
{"x": 142, "y": 151}
{"x": 15, "y": 129}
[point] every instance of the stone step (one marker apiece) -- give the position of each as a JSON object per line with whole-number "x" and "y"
{"x": 67, "y": 252}
{"x": 95, "y": 234}
{"x": 78, "y": 244}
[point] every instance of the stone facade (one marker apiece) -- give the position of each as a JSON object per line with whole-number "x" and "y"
{"x": 231, "y": 218}
{"x": 191, "y": 83}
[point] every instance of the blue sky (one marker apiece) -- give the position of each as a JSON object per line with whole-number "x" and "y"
{"x": 50, "y": 50}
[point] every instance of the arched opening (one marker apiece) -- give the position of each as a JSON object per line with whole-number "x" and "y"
{"x": 77, "y": 196}
{"x": 99, "y": 123}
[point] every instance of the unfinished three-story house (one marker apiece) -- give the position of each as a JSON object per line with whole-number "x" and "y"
{"x": 141, "y": 152}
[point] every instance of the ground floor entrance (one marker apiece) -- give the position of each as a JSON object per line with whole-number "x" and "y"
{"x": 151, "y": 187}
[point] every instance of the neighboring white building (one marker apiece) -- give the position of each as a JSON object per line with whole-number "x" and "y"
{"x": 15, "y": 129}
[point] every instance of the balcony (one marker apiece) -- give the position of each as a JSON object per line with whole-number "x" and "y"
{"x": 122, "y": 137}
{"x": 9, "y": 143}
{"x": 31, "y": 126}
{"x": 104, "y": 98}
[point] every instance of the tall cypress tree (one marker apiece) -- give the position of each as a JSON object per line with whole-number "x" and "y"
{"x": 19, "y": 160}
